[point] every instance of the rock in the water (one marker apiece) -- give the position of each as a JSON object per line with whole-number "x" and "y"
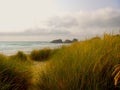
{"x": 67, "y": 41}
{"x": 57, "y": 41}
{"x": 75, "y": 40}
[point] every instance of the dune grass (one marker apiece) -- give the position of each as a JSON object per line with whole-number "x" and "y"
{"x": 41, "y": 55}
{"x": 14, "y": 74}
{"x": 87, "y": 65}
{"x": 19, "y": 56}
{"x": 92, "y": 64}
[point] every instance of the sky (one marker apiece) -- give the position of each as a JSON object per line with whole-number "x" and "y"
{"x": 44, "y": 20}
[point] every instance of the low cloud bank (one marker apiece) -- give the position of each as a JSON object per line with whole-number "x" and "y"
{"x": 78, "y": 24}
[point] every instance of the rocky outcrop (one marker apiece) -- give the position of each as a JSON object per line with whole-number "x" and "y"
{"x": 66, "y": 41}
{"x": 57, "y": 41}
{"x": 70, "y": 41}
{"x": 75, "y": 40}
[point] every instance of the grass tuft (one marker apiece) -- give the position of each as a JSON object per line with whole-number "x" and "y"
{"x": 14, "y": 74}
{"x": 19, "y": 56}
{"x": 40, "y": 55}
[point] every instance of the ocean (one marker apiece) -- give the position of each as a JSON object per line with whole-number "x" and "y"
{"x": 12, "y": 47}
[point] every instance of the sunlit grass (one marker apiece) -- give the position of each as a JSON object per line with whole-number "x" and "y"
{"x": 40, "y": 55}
{"x": 86, "y": 65}
{"x": 92, "y": 64}
{"x": 19, "y": 56}
{"x": 43, "y": 54}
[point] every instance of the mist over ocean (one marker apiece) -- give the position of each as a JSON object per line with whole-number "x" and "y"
{"x": 11, "y": 47}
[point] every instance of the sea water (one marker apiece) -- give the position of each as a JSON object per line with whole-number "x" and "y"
{"x": 12, "y": 47}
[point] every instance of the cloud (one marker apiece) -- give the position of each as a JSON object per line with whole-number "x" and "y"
{"x": 64, "y": 22}
{"x": 87, "y": 23}
{"x": 46, "y": 31}
{"x": 103, "y": 18}
{"x": 38, "y": 32}
{"x": 80, "y": 24}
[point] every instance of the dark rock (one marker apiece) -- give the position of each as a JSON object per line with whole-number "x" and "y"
{"x": 67, "y": 41}
{"x": 57, "y": 41}
{"x": 75, "y": 40}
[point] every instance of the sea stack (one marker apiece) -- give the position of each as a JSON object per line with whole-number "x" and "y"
{"x": 57, "y": 41}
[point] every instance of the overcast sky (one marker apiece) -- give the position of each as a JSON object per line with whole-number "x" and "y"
{"x": 51, "y": 19}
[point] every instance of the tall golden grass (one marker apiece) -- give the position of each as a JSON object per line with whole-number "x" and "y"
{"x": 86, "y": 65}
{"x": 14, "y": 74}
{"x": 92, "y": 64}
{"x": 40, "y": 55}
